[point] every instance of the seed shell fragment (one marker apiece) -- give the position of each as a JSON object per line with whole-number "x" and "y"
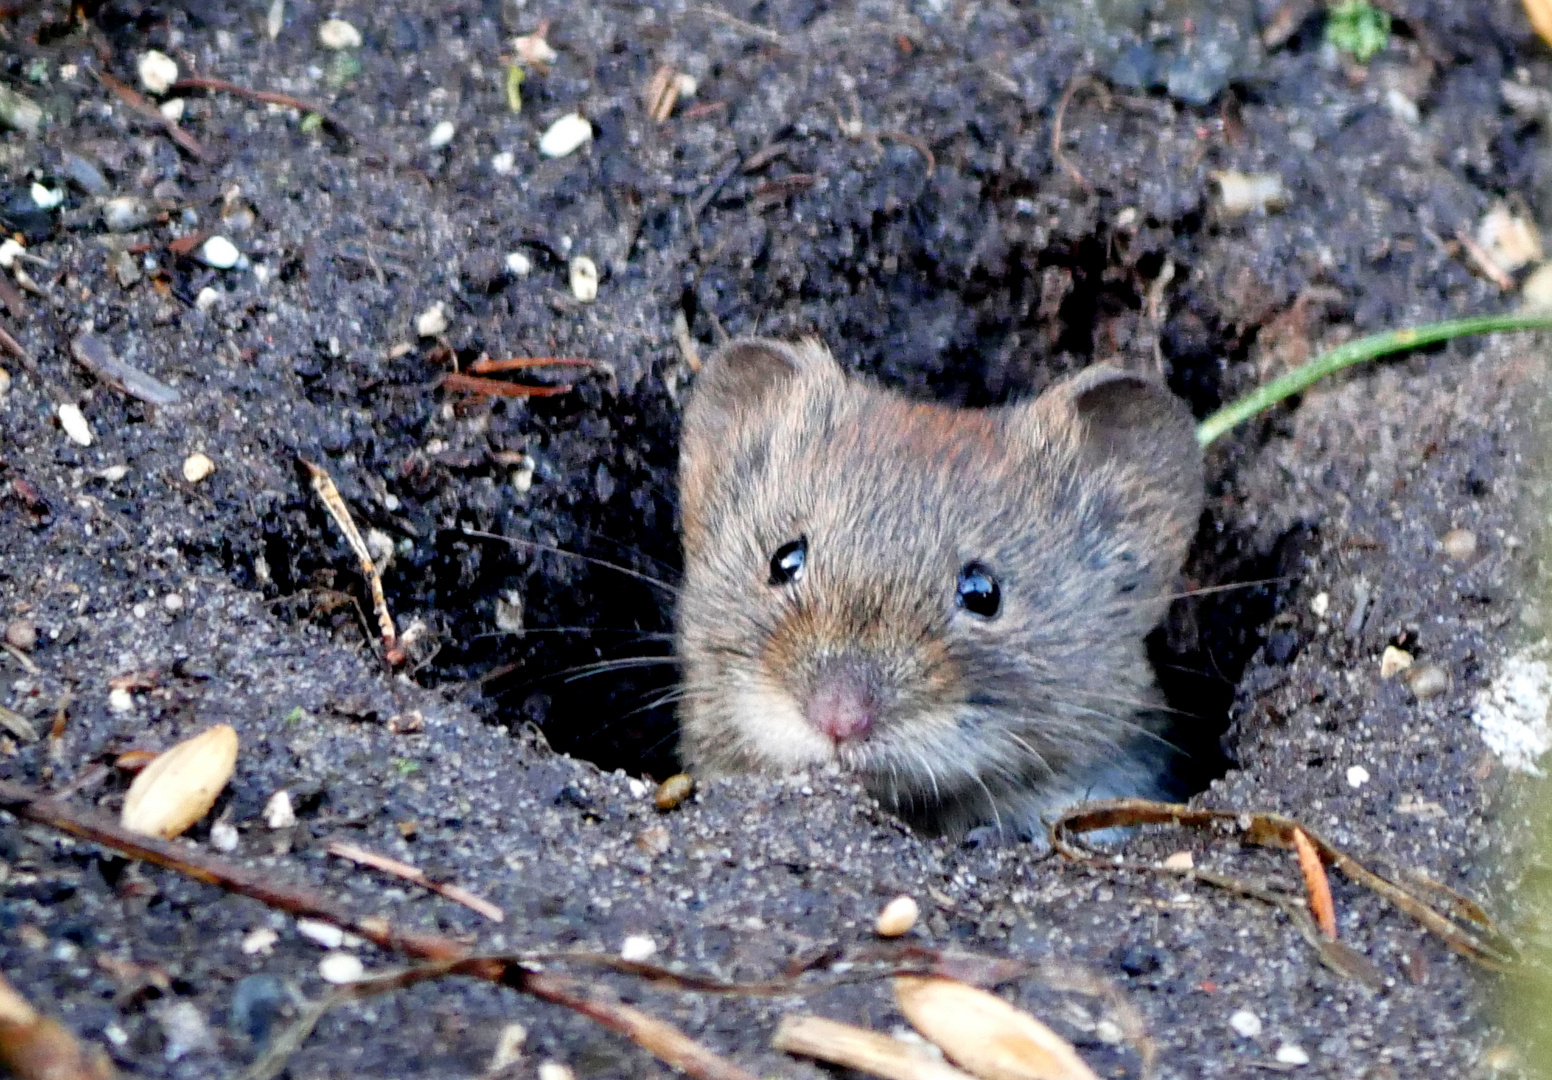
{"x": 984, "y": 1034}
{"x": 181, "y": 785}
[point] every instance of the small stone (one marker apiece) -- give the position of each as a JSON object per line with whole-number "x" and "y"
{"x": 220, "y": 253}
{"x": 509, "y": 1048}
{"x": 84, "y": 174}
{"x": 21, "y": 634}
{"x": 121, "y": 700}
{"x": 184, "y": 1026}
{"x": 1320, "y": 603}
{"x": 278, "y": 812}
{"x": 584, "y": 279}
{"x": 259, "y": 1005}
{"x": 897, "y": 917}
{"x": 1246, "y": 1023}
{"x": 73, "y": 420}
{"x": 1180, "y": 860}
{"x": 47, "y": 198}
{"x": 322, "y": 933}
{"x": 206, "y": 299}
{"x": 125, "y": 213}
{"x": 654, "y": 841}
{"x": 637, "y": 948}
{"x": 5, "y": 382}
{"x": 533, "y": 49}
{"x": 172, "y": 109}
{"x": 554, "y": 1070}
{"x": 687, "y": 84}
{"x": 518, "y": 264}
{"x": 9, "y": 251}
{"x": 197, "y": 467}
{"x": 340, "y": 968}
{"x": 1394, "y": 661}
{"x": 565, "y": 135}
{"x": 1427, "y": 681}
{"x": 1357, "y": 776}
{"x": 1292, "y": 1054}
{"x": 673, "y": 791}
{"x": 259, "y": 942}
{"x": 20, "y": 112}
{"x": 158, "y": 71}
{"x": 1536, "y": 292}
{"x": 503, "y": 163}
{"x": 338, "y": 34}
{"x": 173, "y": 602}
{"x": 509, "y": 611}
{"x": 126, "y": 268}
{"x": 114, "y": 473}
{"x": 1509, "y": 240}
{"x": 223, "y": 837}
{"x": 431, "y": 322}
{"x": 1244, "y": 193}
{"x": 1109, "y": 1032}
{"x": 441, "y": 135}
{"x": 1459, "y": 544}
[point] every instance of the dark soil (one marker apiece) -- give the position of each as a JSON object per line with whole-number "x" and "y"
{"x": 882, "y": 175}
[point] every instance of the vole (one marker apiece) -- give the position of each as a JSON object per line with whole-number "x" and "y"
{"x": 950, "y": 603}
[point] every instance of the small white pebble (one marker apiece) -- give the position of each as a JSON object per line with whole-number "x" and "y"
{"x": 554, "y": 1070}
{"x": 259, "y": 942}
{"x": 338, "y": 34}
{"x": 637, "y": 948}
{"x": 509, "y": 1048}
{"x": 316, "y": 930}
{"x": 897, "y": 917}
{"x": 1320, "y": 603}
{"x": 518, "y": 264}
{"x": 207, "y": 299}
{"x": 172, "y": 109}
{"x": 1459, "y": 544}
{"x": 9, "y": 250}
{"x": 121, "y": 700}
{"x": 441, "y": 135}
{"x": 1243, "y": 193}
{"x": 341, "y": 967}
{"x": 140, "y": 611}
{"x": 533, "y": 49}
{"x": 503, "y": 163}
{"x": 114, "y": 473}
{"x": 1292, "y": 1054}
{"x": 197, "y": 467}
{"x": 158, "y": 71}
{"x": 278, "y": 812}
{"x": 565, "y": 135}
{"x": 173, "y": 602}
{"x": 687, "y": 84}
{"x": 584, "y": 279}
{"x": 1246, "y": 1023}
{"x": 220, "y": 253}
{"x": 1109, "y": 1032}
{"x": 73, "y": 420}
{"x": 1180, "y": 860}
{"x": 638, "y": 788}
{"x": 223, "y": 837}
{"x": 1427, "y": 681}
{"x": 1357, "y": 776}
{"x": 47, "y": 198}
{"x": 432, "y": 321}
{"x": 1394, "y": 661}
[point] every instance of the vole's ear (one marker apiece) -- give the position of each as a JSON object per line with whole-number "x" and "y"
{"x": 744, "y": 374}
{"x": 1122, "y": 419}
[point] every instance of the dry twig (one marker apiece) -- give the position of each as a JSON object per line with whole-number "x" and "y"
{"x": 267, "y": 97}
{"x": 323, "y": 484}
{"x": 455, "y": 893}
{"x": 143, "y": 107}
{"x": 473, "y": 384}
{"x": 1073, "y": 86}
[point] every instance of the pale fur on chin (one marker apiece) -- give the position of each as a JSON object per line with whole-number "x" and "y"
{"x": 773, "y": 734}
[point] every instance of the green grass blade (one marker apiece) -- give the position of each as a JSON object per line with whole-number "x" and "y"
{"x": 1356, "y": 352}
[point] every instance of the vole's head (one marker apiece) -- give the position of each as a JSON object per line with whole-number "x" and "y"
{"x": 949, "y": 602}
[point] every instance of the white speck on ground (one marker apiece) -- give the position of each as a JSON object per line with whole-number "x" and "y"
{"x": 1512, "y": 712}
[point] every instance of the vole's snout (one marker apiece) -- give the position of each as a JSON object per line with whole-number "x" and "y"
{"x": 844, "y": 699}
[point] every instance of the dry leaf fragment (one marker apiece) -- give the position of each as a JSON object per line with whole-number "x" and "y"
{"x": 858, "y": 1048}
{"x": 181, "y": 785}
{"x": 1316, "y": 883}
{"x": 986, "y": 1035}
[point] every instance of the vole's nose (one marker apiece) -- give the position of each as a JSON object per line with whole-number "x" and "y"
{"x": 844, "y": 701}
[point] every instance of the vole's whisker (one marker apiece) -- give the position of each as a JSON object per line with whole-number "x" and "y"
{"x": 518, "y": 541}
{"x": 583, "y": 671}
{"x": 644, "y": 635}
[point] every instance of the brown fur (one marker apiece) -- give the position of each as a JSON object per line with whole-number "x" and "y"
{"x": 1082, "y": 502}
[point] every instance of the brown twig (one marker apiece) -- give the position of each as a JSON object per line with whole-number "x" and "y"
{"x": 1481, "y": 942}
{"x": 658, "y": 1037}
{"x": 141, "y": 105}
{"x": 486, "y": 366}
{"x": 1483, "y": 261}
{"x": 267, "y": 97}
{"x": 867, "y": 1051}
{"x": 323, "y": 485}
{"x": 455, "y": 893}
{"x": 473, "y": 384}
{"x": 1073, "y": 85}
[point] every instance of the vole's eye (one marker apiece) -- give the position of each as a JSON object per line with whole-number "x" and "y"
{"x": 978, "y": 591}
{"x": 787, "y": 563}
